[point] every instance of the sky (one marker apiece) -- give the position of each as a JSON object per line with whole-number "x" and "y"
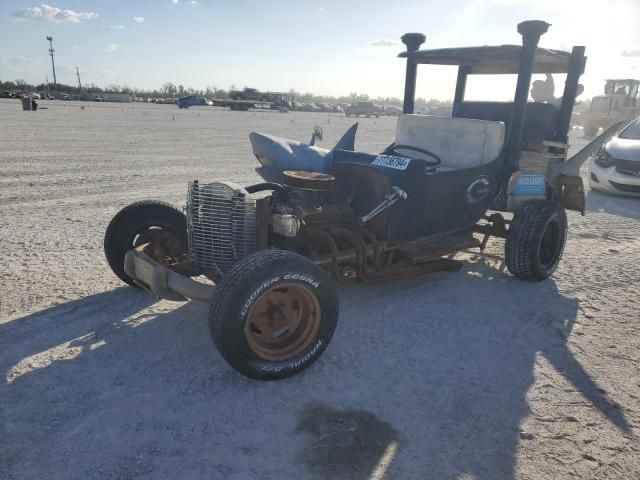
{"x": 323, "y": 46}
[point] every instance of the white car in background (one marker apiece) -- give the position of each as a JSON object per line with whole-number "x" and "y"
{"x": 615, "y": 168}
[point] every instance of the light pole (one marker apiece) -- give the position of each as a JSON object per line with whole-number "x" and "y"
{"x": 53, "y": 65}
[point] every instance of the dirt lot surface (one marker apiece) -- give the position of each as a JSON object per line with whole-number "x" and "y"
{"x": 468, "y": 375}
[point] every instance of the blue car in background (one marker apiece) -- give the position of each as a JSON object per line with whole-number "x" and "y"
{"x": 191, "y": 100}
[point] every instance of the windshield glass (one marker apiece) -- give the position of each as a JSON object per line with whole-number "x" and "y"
{"x": 632, "y": 131}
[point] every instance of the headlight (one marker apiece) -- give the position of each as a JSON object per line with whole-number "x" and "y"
{"x": 603, "y": 159}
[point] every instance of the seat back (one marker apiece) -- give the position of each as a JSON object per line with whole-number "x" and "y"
{"x": 459, "y": 142}
{"x": 540, "y": 120}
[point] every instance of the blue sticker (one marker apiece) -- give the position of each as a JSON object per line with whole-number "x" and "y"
{"x": 530, "y": 184}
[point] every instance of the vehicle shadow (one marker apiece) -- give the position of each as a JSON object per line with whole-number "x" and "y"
{"x": 463, "y": 366}
{"x": 425, "y": 378}
{"x": 616, "y": 205}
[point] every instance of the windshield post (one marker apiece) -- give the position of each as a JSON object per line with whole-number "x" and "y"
{"x": 531, "y": 32}
{"x": 576, "y": 68}
{"x": 413, "y": 42}
{"x": 461, "y": 85}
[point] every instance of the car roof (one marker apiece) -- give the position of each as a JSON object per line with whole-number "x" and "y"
{"x": 629, "y": 80}
{"x": 498, "y": 59}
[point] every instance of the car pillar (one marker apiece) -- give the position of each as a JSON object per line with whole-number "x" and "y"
{"x": 413, "y": 42}
{"x": 461, "y": 85}
{"x": 576, "y": 68}
{"x": 531, "y": 32}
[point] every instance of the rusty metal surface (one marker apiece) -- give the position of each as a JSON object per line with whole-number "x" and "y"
{"x": 283, "y": 322}
{"x": 161, "y": 281}
{"x": 308, "y": 180}
{"x": 263, "y": 222}
{"x": 435, "y": 247}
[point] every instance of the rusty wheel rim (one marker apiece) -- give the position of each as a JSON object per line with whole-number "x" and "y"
{"x": 283, "y": 322}
{"x": 164, "y": 246}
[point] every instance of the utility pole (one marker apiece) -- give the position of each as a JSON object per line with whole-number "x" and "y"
{"x": 53, "y": 65}
{"x": 79, "y": 84}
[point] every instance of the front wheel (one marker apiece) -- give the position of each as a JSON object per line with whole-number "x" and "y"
{"x": 536, "y": 239}
{"x": 158, "y": 224}
{"x": 273, "y": 314}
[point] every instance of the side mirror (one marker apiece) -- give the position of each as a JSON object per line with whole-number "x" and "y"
{"x": 317, "y": 132}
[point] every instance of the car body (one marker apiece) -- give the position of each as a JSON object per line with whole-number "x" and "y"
{"x": 64, "y": 96}
{"x": 96, "y": 99}
{"x": 363, "y": 215}
{"x": 366, "y": 109}
{"x": 391, "y": 110}
{"x": 615, "y": 168}
{"x": 34, "y": 96}
{"x": 191, "y": 101}
{"x": 310, "y": 107}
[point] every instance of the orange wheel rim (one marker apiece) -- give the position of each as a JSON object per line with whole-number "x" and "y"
{"x": 283, "y": 322}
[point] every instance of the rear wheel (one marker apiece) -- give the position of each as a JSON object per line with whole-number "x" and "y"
{"x": 158, "y": 224}
{"x": 273, "y": 314}
{"x": 536, "y": 239}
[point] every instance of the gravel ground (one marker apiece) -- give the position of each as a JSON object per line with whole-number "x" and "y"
{"x": 468, "y": 375}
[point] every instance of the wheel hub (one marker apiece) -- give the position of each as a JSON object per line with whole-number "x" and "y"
{"x": 283, "y": 322}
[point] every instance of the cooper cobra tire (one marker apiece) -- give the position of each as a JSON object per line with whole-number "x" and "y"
{"x": 125, "y": 230}
{"x": 536, "y": 239}
{"x": 273, "y": 314}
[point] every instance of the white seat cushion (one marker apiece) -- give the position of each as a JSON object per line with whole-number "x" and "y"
{"x": 459, "y": 142}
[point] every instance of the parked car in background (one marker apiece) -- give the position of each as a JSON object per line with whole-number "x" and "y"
{"x": 5, "y": 94}
{"x": 367, "y": 109}
{"x": 96, "y": 99}
{"x": 191, "y": 101}
{"x": 391, "y": 110}
{"x": 64, "y": 96}
{"x": 615, "y": 168}
{"x": 309, "y": 107}
{"x": 35, "y": 96}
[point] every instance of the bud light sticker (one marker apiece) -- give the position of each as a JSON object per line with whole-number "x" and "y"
{"x": 529, "y": 184}
{"x": 390, "y": 161}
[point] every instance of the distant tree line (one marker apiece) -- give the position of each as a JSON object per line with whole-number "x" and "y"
{"x": 170, "y": 90}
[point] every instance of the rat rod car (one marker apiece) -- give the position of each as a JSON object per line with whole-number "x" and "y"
{"x": 438, "y": 189}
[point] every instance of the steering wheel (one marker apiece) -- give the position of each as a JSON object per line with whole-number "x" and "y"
{"x": 393, "y": 150}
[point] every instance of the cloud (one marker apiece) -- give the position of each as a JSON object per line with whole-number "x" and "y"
{"x": 630, "y": 53}
{"x": 53, "y": 14}
{"x": 175, "y": 2}
{"x": 111, "y": 48}
{"x": 116, "y": 27}
{"x": 384, "y": 43}
{"x": 138, "y": 19}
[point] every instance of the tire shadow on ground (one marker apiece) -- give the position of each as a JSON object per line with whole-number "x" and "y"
{"x": 438, "y": 368}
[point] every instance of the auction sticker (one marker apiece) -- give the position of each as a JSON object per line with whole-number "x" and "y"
{"x": 390, "y": 161}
